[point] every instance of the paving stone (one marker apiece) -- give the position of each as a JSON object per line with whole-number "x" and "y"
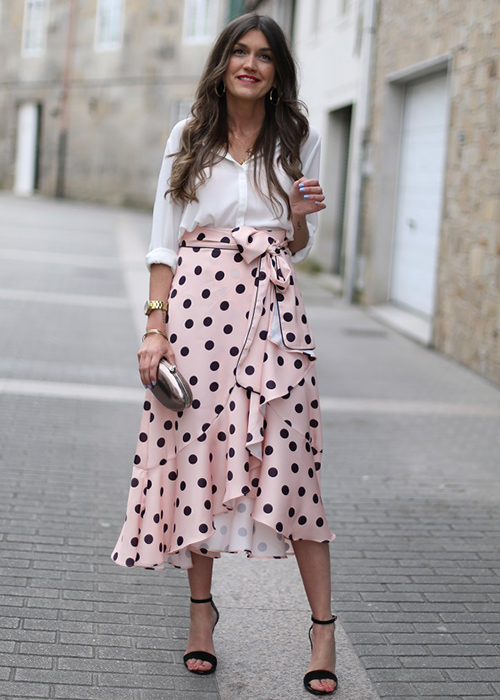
{"x": 415, "y": 564}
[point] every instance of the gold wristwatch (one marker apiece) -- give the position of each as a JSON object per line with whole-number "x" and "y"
{"x": 154, "y": 305}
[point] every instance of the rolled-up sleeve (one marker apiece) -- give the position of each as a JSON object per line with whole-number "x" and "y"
{"x": 167, "y": 214}
{"x": 310, "y": 155}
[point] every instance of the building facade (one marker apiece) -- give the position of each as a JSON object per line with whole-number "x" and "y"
{"x": 429, "y": 239}
{"x": 89, "y": 90}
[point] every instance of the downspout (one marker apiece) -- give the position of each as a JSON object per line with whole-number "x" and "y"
{"x": 64, "y": 123}
{"x": 360, "y": 146}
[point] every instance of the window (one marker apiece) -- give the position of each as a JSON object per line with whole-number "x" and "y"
{"x": 180, "y": 110}
{"x": 316, "y": 11}
{"x": 35, "y": 27}
{"x": 200, "y": 20}
{"x": 109, "y": 24}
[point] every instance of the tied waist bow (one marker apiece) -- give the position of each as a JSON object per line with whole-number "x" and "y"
{"x": 277, "y": 313}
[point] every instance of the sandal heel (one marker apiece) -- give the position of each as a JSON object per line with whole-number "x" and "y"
{"x": 203, "y": 655}
{"x": 320, "y": 675}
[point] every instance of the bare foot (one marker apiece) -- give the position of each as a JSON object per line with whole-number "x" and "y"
{"x": 203, "y": 617}
{"x": 323, "y": 656}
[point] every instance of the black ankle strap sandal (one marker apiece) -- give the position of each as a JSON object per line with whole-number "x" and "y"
{"x": 203, "y": 655}
{"x": 320, "y": 675}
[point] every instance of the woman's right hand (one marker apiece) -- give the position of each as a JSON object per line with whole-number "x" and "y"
{"x": 153, "y": 348}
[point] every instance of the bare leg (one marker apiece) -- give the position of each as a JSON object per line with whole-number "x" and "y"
{"x": 313, "y": 559}
{"x": 202, "y": 616}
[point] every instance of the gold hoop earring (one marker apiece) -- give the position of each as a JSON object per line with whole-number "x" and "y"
{"x": 274, "y": 98}
{"x": 220, "y": 94}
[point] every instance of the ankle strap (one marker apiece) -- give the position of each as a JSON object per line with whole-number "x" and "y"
{"x": 205, "y": 600}
{"x": 324, "y": 622}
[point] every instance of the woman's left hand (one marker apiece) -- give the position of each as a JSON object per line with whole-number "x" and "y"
{"x": 306, "y": 197}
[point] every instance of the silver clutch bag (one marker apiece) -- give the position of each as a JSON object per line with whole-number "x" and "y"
{"x": 171, "y": 389}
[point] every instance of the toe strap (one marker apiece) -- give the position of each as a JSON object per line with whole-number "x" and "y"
{"x": 319, "y": 676}
{"x": 202, "y": 656}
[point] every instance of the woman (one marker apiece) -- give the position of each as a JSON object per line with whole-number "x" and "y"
{"x": 238, "y": 470}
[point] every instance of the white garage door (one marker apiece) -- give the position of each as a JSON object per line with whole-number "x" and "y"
{"x": 420, "y": 188}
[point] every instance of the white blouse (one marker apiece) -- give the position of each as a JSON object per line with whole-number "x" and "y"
{"x": 227, "y": 199}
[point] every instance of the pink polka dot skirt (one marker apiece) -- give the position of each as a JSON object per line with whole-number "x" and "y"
{"x": 238, "y": 471}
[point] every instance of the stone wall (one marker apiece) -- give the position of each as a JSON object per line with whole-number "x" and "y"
{"x": 122, "y": 104}
{"x": 467, "y": 317}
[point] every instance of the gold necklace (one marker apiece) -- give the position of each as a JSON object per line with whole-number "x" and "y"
{"x": 248, "y": 151}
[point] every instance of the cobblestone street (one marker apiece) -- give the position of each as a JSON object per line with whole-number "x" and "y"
{"x": 410, "y": 484}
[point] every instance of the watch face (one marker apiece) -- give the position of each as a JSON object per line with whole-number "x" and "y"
{"x": 146, "y": 308}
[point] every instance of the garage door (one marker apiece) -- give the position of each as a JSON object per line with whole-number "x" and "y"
{"x": 420, "y": 189}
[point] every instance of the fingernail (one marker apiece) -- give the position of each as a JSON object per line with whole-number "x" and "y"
{"x": 302, "y": 187}
{"x": 318, "y": 203}
{"x": 145, "y": 386}
{"x": 306, "y": 196}
{"x": 154, "y": 383}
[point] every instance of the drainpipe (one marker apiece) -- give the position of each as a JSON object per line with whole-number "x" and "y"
{"x": 64, "y": 123}
{"x": 360, "y": 147}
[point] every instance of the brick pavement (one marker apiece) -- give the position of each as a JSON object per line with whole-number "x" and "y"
{"x": 410, "y": 485}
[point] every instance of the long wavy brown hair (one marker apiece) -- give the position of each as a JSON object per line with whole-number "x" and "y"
{"x": 205, "y": 138}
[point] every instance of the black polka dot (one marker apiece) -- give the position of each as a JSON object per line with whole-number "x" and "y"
{"x": 302, "y": 491}
{"x": 288, "y": 316}
{"x": 147, "y": 406}
{"x": 320, "y": 522}
{"x": 269, "y": 450}
{"x": 219, "y": 275}
{"x": 189, "y": 323}
{"x": 202, "y": 483}
{"x": 268, "y": 508}
{"x": 224, "y": 305}
{"x": 302, "y": 520}
{"x": 290, "y": 337}
{"x": 280, "y": 361}
{"x": 271, "y": 384}
{"x": 234, "y": 351}
{"x": 249, "y": 370}
{"x": 295, "y": 468}
{"x": 216, "y": 252}
{"x": 207, "y": 321}
{"x": 148, "y": 539}
{"x": 198, "y": 270}
{"x": 168, "y": 425}
{"x": 273, "y": 471}
{"x": 160, "y": 442}
{"x": 285, "y": 490}
{"x": 172, "y": 476}
{"x": 187, "y": 510}
{"x": 187, "y": 303}
{"x": 129, "y": 562}
{"x": 209, "y": 345}
{"x": 143, "y": 437}
{"x": 214, "y": 386}
{"x": 240, "y": 288}
{"x": 205, "y": 293}
{"x": 279, "y": 527}
{"x": 192, "y": 459}
{"x": 203, "y": 528}
{"x": 214, "y": 366}
{"x": 184, "y": 351}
